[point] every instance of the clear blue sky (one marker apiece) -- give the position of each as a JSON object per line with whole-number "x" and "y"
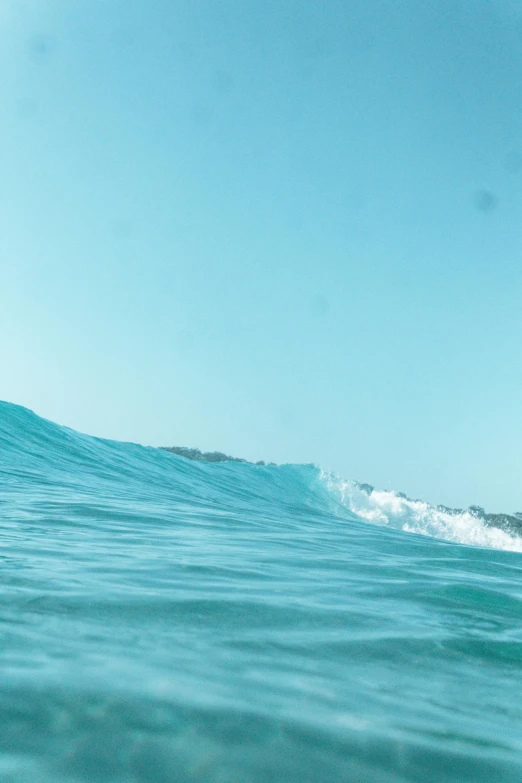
{"x": 288, "y": 231}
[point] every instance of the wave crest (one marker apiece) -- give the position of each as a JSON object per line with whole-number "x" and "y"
{"x": 394, "y": 509}
{"x": 36, "y": 453}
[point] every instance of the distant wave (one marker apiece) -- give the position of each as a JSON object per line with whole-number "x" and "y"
{"x": 34, "y": 448}
{"x": 468, "y": 526}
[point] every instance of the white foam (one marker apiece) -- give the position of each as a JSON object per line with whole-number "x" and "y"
{"x": 382, "y": 507}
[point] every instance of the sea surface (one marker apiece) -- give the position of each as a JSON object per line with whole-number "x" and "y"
{"x": 163, "y": 620}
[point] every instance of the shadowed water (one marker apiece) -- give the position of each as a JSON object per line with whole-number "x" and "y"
{"x": 167, "y": 620}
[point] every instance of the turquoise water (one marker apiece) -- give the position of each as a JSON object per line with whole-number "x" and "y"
{"x": 166, "y": 620}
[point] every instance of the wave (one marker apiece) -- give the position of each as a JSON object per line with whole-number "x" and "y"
{"x": 35, "y": 453}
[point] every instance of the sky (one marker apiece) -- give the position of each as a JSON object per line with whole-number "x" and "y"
{"x": 286, "y": 231}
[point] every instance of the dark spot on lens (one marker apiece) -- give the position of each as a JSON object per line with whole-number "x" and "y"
{"x": 485, "y": 201}
{"x": 40, "y": 46}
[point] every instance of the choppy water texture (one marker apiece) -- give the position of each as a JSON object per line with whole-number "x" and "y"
{"x": 166, "y": 620}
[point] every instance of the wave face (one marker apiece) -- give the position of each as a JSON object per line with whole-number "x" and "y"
{"x": 167, "y": 620}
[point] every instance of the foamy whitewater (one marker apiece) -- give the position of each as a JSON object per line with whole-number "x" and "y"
{"x": 169, "y": 620}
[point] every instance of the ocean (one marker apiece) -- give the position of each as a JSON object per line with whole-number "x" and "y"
{"x": 165, "y": 620}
